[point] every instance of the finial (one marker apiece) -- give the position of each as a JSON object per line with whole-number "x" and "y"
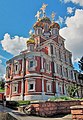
{"x": 43, "y": 8}
{"x": 53, "y": 16}
{"x": 38, "y": 15}
{"x": 30, "y": 32}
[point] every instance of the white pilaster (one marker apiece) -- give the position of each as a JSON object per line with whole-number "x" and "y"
{"x": 43, "y": 93}
{"x": 42, "y": 64}
{"x": 22, "y": 89}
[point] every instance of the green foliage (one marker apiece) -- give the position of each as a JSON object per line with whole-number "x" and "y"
{"x": 2, "y": 85}
{"x": 72, "y": 90}
{"x": 1, "y": 90}
{"x": 61, "y": 98}
{"x": 20, "y": 103}
{"x": 15, "y": 104}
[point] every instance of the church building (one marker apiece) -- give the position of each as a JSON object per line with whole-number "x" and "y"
{"x": 44, "y": 69}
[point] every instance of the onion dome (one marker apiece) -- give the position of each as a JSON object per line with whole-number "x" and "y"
{"x": 41, "y": 22}
{"x": 30, "y": 41}
{"x": 54, "y": 25}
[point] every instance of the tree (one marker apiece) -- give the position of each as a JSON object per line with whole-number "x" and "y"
{"x": 81, "y": 68}
{"x": 72, "y": 90}
{"x": 2, "y": 84}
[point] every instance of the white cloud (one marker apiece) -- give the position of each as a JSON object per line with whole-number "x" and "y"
{"x": 80, "y": 2}
{"x": 73, "y": 33}
{"x": 13, "y": 45}
{"x": 70, "y": 10}
{"x": 76, "y": 60}
{"x": 2, "y": 69}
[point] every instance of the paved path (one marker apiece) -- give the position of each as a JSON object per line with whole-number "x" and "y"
{"x": 22, "y": 116}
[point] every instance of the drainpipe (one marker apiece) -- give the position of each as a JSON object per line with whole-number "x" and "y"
{"x": 23, "y": 80}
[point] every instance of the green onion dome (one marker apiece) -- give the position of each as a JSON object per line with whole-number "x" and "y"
{"x": 41, "y": 22}
{"x": 54, "y": 25}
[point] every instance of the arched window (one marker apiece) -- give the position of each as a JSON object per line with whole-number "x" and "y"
{"x": 54, "y": 31}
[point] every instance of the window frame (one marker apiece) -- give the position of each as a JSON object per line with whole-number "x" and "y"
{"x": 15, "y": 85}
{"x": 29, "y": 83}
{"x": 50, "y": 86}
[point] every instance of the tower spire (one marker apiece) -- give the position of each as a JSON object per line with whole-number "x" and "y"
{"x": 43, "y": 8}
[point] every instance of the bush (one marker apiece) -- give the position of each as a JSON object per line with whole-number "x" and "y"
{"x": 20, "y": 103}
{"x": 63, "y": 98}
{"x": 15, "y": 104}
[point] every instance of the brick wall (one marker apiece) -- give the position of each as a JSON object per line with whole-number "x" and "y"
{"x": 77, "y": 112}
{"x": 50, "y": 108}
{"x": 1, "y": 96}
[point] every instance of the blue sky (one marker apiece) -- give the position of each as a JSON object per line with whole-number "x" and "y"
{"x": 18, "y": 16}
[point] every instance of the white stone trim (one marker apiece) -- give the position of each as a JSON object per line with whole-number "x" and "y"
{"x": 37, "y": 97}
{"x": 14, "y": 84}
{"x": 31, "y": 82}
{"x": 42, "y": 85}
{"x": 49, "y": 83}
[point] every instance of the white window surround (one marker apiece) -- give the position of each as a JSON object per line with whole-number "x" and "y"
{"x": 49, "y": 86}
{"x": 30, "y": 47}
{"x": 60, "y": 88}
{"x": 15, "y": 87}
{"x": 30, "y": 87}
{"x": 32, "y": 64}
{"x": 17, "y": 67}
{"x": 48, "y": 66}
{"x": 54, "y": 31}
{"x": 38, "y": 31}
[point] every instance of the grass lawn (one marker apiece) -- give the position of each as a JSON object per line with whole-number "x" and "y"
{"x": 2, "y": 90}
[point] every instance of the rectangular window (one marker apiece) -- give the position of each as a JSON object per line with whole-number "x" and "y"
{"x": 60, "y": 88}
{"x": 48, "y": 66}
{"x": 31, "y": 47}
{"x": 71, "y": 74}
{"x": 51, "y": 49}
{"x": 15, "y": 87}
{"x": 31, "y": 85}
{"x": 61, "y": 73}
{"x": 49, "y": 87}
{"x": 31, "y": 64}
{"x": 16, "y": 67}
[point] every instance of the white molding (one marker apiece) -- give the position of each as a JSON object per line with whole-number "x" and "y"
{"x": 50, "y": 84}
{"x": 37, "y": 97}
{"x": 34, "y": 74}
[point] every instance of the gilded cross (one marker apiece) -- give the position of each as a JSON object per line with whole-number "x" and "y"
{"x": 53, "y": 16}
{"x": 38, "y": 15}
{"x": 43, "y": 8}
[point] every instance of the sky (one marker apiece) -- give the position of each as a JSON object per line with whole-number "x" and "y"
{"x": 17, "y": 18}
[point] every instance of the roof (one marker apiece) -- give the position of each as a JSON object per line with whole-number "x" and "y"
{"x": 41, "y": 22}
{"x": 30, "y": 41}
